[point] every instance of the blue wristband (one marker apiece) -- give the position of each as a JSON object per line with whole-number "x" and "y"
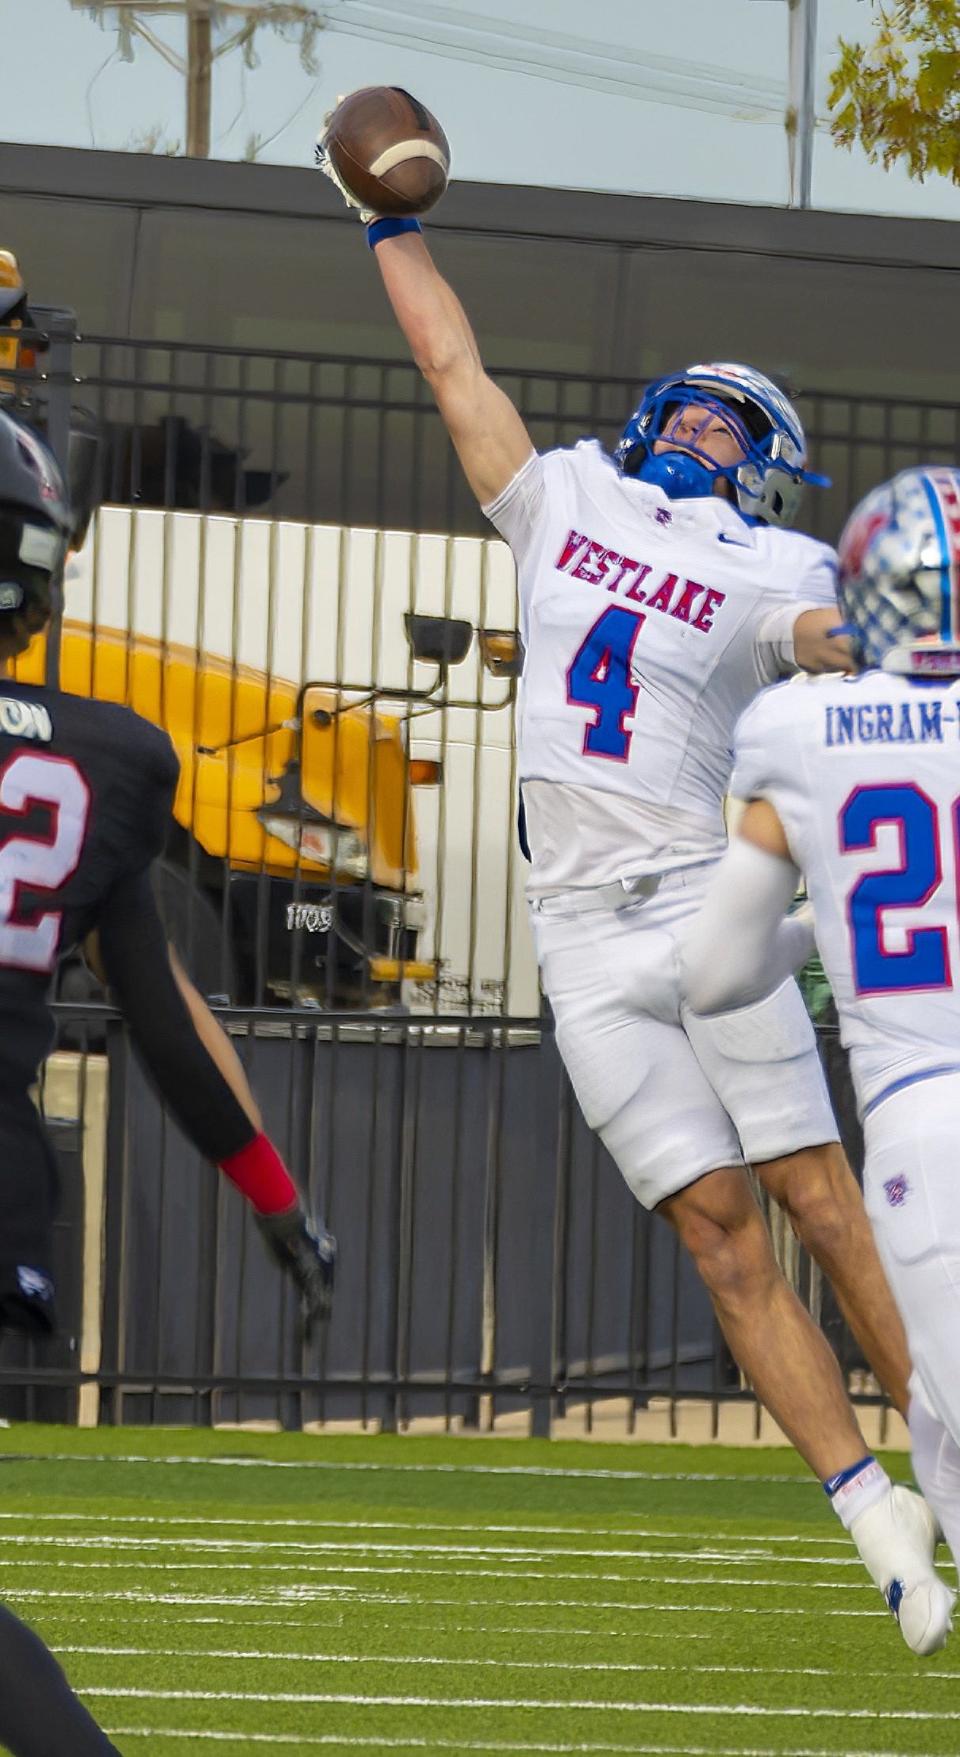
{"x": 390, "y": 228}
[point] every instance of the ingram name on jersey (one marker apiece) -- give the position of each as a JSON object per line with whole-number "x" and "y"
{"x": 864, "y": 773}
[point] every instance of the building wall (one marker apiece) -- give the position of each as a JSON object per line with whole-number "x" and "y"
{"x": 556, "y": 281}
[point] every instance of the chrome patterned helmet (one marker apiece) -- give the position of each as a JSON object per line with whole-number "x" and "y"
{"x": 899, "y": 584}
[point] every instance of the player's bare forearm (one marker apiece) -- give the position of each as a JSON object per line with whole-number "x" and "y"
{"x": 216, "y": 1043}
{"x": 198, "y": 1074}
{"x": 816, "y": 647}
{"x": 426, "y": 307}
{"x": 760, "y": 824}
{"x": 189, "y": 1058}
{"x": 305, "y": 1252}
{"x": 491, "y": 439}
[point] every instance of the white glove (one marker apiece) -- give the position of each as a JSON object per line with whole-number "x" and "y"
{"x": 324, "y": 163}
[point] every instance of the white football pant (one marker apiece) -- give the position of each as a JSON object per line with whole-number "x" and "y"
{"x": 672, "y": 1096}
{"x": 912, "y": 1195}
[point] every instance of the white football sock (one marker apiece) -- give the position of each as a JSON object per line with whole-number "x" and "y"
{"x": 852, "y": 1491}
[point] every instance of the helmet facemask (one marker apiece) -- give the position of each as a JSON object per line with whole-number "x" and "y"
{"x": 31, "y": 556}
{"x": 765, "y": 483}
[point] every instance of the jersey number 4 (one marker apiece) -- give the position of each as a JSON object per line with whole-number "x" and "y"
{"x": 925, "y": 961}
{"x": 38, "y": 860}
{"x": 600, "y": 678}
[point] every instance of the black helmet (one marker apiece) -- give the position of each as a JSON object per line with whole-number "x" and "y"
{"x": 35, "y": 517}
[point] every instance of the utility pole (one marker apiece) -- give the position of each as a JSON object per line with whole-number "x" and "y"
{"x": 802, "y": 99}
{"x": 245, "y": 16}
{"x": 199, "y": 78}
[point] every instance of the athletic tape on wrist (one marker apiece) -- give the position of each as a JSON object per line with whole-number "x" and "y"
{"x": 390, "y": 228}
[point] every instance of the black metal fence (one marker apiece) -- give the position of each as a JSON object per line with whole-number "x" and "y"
{"x": 344, "y": 831}
{"x": 357, "y": 441}
{"x": 493, "y": 1261}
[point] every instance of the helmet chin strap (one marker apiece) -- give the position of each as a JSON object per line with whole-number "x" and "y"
{"x": 681, "y": 476}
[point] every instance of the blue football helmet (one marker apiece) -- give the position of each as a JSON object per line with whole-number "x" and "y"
{"x": 768, "y": 481}
{"x": 899, "y": 584}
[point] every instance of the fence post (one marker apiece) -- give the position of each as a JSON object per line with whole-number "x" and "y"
{"x": 113, "y": 1289}
{"x": 402, "y": 1229}
{"x": 61, "y": 328}
{"x": 543, "y": 1257}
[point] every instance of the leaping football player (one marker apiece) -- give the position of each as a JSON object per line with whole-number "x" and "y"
{"x": 659, "y": 590}
{"x": 86, "y": 792}
{"x": 856, "y": 785}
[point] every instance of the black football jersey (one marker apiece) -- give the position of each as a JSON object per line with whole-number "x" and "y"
{"x": 86, "y": 792}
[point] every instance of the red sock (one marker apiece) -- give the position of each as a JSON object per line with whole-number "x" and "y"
{"x": 260, "y": 1174}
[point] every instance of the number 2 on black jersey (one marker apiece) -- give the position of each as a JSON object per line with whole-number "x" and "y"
{"x": 38, "y": 860}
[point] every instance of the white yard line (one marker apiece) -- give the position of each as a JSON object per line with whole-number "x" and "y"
{"x": 596, "y": 1634}
{"x": 308, "y": 1628}
{"x": 481, "y": 1528}
{"x": 536, "y": 1470}
{"x": 293, "y": 1595}
{"x": 382, "y": 1743}
{"x": 714, "y": 1554}
{"x": 533, "y": 1665}
{"x": 443, "y": 1571}
{"x": 585, "y": 1705}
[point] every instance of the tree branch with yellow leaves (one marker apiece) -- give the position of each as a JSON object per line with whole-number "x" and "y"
{"x": 898, "y": 96}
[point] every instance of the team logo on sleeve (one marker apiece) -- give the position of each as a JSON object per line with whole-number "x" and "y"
{"x": 20, "y": 719}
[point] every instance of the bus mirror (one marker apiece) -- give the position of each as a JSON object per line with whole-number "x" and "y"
{"x": 502, "y": 651}
{"x": 438, "y": 640}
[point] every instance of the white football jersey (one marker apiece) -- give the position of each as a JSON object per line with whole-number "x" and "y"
{"x": 864, "y": 773}
{"x": 648, "y": 624}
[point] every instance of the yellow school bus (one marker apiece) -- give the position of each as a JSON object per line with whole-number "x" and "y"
{"x": 292, "y": 869}
{"x": 293, "y": 873}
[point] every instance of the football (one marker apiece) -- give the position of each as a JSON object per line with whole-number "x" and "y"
{"x": 389, "y": 151}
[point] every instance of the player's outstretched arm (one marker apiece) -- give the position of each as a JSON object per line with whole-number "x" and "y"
{"x": 490, "y": 438}
{"x": 199, "y": 1075}
{"x": 370, "y": 135}
{"x": 742, "y": 944}
{"x": 217, "y": 1044}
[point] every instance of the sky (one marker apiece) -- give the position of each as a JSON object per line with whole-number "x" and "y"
{"x": 656, "y": 97}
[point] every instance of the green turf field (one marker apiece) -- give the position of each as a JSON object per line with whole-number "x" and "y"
{"x": 242, "y": 1593}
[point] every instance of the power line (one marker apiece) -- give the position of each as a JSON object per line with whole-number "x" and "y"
{"x": 615, "y": 68}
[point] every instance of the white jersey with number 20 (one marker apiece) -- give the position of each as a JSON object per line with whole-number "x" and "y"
{"x": 864, "y": 774}
{"x": 649, "y": 624}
